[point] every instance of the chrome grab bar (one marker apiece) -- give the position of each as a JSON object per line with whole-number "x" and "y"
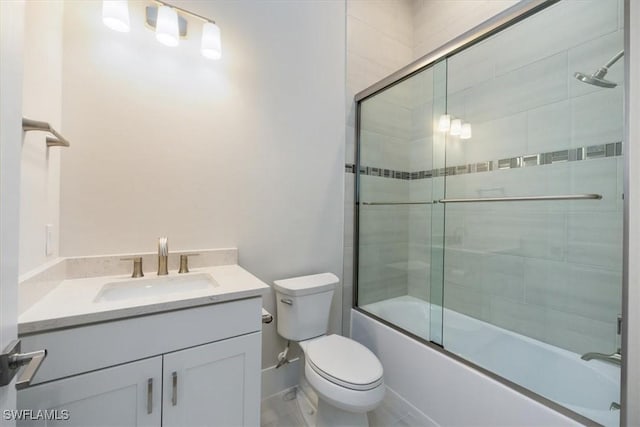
{"x": 58, "y": 141}
{"x": 525, "y": 198}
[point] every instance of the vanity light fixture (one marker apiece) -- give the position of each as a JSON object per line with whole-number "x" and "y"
{"x": 168, "y": 27}
{"x": 168, "y": 23}
{"x": 465, "y": 131}
{"x": 444, "y": 124}
{"x": 211, "y": 44}
{"x": 456, "y": 127}
{"x": 115, "y": 15}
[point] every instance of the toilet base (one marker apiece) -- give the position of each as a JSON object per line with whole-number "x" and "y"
{"x": 329, "y": 416}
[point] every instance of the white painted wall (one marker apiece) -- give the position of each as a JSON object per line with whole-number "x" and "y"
{"x": 11, "y": 39}
{"x": 245, "y": 152}
{"x": 42, "y": 100}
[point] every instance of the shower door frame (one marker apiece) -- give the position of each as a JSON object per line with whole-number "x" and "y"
{"x": 494, "y": 25}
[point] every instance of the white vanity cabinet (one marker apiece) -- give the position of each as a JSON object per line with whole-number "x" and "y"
{"x": 216, "y": 384}
{"x": 122, "y": 396}
{"x": 190, "y": 367}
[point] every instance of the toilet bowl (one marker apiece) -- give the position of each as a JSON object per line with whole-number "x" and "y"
{"x": 343, "y": 373}
{"x": 347, "y": 376}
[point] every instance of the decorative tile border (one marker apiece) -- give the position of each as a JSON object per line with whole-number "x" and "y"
{"x": 612, "y": 149}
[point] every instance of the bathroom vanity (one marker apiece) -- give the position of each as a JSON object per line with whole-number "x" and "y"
{"x": 173, "y": 358}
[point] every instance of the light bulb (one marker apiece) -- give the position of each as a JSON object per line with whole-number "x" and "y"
{"x": 211, "y": 45}
{"x": 456, "y": 127}
{"x": 167, "y": 31}
{"x": 444, "y": 123}
{"x": 465, "y": 131}
{"x": 115, "y": 15}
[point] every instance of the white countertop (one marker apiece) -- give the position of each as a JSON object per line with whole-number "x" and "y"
{"x": 72, "y": 302}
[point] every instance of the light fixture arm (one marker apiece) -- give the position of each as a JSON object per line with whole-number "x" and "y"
{"x": 186, "y": 12}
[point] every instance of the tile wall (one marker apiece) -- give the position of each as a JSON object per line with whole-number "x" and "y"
{"x": 379, "y": 41}
{"x": 549, "y": 270}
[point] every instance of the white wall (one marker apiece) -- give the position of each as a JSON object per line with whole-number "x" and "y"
{"x": 42, "y": 100}
{"x": 11, "y": 39}
{"x": 246, "y": 152}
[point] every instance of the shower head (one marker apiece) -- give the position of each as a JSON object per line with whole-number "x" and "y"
{"x": 597, "y": 78}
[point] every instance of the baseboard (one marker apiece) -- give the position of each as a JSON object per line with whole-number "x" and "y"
{"x": 275, "y": 380}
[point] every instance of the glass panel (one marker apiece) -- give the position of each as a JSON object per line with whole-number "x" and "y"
{"x": 531, "y": 286}
{"x": 437, "y": 183}
{"x": 530, "y": 290}
{"x": 397, "y": 156}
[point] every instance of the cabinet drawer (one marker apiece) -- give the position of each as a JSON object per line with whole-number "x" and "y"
{"x": 82, "y": 349}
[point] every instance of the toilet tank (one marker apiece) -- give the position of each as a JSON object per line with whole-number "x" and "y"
{"x": 303, "y": 305}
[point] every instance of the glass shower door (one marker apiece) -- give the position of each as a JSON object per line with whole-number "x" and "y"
{"x": 400, "y": 156}
{"x": 533, "y": 223}
{"x": 490, "y": 205}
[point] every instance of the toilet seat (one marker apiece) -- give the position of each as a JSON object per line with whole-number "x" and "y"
{"x": 344, "y": 362}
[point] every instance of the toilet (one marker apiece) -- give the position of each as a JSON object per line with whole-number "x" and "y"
{"x": 346, "y": 375}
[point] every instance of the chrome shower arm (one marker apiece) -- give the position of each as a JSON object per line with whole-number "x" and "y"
{"x": 614, "y": 59}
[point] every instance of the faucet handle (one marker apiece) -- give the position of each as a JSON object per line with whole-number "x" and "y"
{"x": 184, "y": 263}
{"x": 137, "y": 265}
{"x": 163, "y": 246}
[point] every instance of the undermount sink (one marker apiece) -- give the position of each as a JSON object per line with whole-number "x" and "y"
{"x": 154, "y": 286}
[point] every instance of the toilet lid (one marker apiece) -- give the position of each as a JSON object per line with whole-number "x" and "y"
{"x": 344, "y": 362}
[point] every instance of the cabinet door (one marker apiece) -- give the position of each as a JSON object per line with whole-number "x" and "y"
{"x": 125, "y": 395}
{"x": 215, "y": 384}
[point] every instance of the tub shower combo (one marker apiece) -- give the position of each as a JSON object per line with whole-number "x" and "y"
{"x": 489, "y": 201}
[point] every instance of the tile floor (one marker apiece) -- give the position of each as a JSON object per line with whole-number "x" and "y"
{"x": 291, "y": 407}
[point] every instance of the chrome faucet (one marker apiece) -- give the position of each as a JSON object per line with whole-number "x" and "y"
{"x": 163, "y": 255}
{"x": 615, "y": 358}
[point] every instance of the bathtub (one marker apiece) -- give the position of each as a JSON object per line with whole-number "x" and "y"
{"x": 587, "y": 388}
